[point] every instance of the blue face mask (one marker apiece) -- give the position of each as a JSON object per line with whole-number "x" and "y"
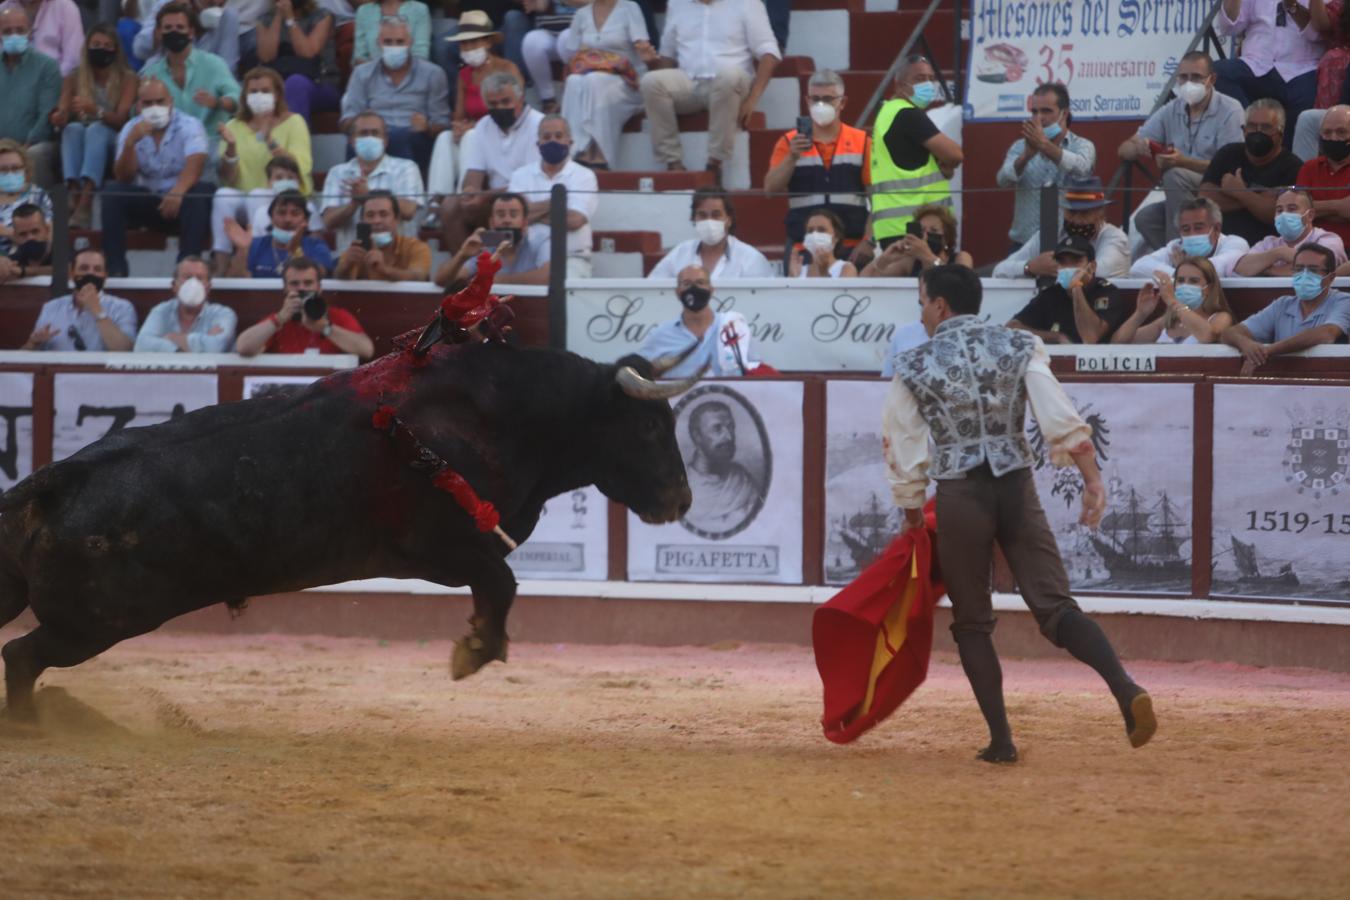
{"x": 925, "y": 92}
{"x": 1289, "y": 225}
{"x": 1052, "y": 131}
{"x": 382, "y": 238}
{"x": 1197, "y": 245}
{"x": 553, "y": 152}
{"x": 15, "y": 44}
{"x": 12, "y": 182}
{"x": 394, "y": 57}
{"x": 282, "y": 236}
{"x": 1064, "y": 276}
{"x": 1191, "y": 294}
{"x": 369, "y": 147}
{"x": 1307, "y": 285}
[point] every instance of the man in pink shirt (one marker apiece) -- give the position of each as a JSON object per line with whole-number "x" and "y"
{"x": 57, "y": 30}
{"x": 1280, "y": 51}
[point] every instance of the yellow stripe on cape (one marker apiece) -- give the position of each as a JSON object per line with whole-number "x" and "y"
{"x": 891, "y": 636}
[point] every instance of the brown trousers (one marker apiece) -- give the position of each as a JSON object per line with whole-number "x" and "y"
{"x": 975, "y": 511}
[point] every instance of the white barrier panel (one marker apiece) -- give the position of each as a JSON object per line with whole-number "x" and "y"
{"x": 742, "y": 447}
{"x": 860, "y": 516}
{"x": 91, "y": 405}
{"x": 1281, "y": 494}
{"x": 571, "y": 540}
{"x": 16, "y": 408}
{"x": 813, "y": 325}
{"x": 1113, "y": 56}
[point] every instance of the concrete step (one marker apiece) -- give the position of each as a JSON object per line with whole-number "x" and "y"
{"x": 822, "y": 35}
{"x": 655, "y": 180}
{"x": 626, "y": 241}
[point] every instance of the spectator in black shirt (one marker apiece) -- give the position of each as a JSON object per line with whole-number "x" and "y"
{"x": 1079, "y": 308}
{"x": 1238, "y": 171}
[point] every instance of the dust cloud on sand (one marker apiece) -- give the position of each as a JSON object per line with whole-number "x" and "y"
{"x": 223, "y": 767}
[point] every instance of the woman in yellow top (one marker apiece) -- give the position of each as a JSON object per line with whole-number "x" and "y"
{"x": 263, "y": 129}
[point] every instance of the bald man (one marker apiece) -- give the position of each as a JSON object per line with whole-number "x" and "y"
{"x": 30, "y": 82}
{"x": 721, "y": 339}
{"x": 1327, "y": 176}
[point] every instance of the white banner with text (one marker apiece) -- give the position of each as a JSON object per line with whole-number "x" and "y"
{"x": 91, "y": 405}
{"x": 571, "y": 540}
{"x": 1114, "y": 56}
{"x": 16, "y": 408}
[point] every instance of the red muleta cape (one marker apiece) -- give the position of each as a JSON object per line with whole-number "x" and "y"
{"x": 873, "y": 638}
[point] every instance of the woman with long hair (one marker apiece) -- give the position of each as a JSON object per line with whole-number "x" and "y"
{"x": 932, "y": 242}
{"x": 264, "y": 128}
{"x": 95, "y": 103}
{"x": 1197, "y": 310}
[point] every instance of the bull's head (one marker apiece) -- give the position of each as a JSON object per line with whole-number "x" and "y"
{"x": 644, "y": 470}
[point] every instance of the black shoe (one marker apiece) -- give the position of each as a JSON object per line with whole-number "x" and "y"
{"x": 992, "y": 754}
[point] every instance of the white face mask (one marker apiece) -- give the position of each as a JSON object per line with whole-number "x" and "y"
{"x": 210, "y": 17}
{"x": 816, "y": 241}
{"x": 192, "y": 293}
{"x": 1191, "y": 93}
{"x": 157, "y": 116}
{"x": 260, "y": 103}
{"x": 475, "y": 57}
{"x": 710, "y": 231}
{"x": 823, "y": 114}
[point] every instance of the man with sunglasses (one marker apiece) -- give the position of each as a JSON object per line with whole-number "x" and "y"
{"x": 87, "y": 319}
{"x": 1279, "y": 55}
{"x": 1313, "y": 314}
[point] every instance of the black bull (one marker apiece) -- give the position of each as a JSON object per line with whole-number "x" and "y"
{"x": 287, "y": 492}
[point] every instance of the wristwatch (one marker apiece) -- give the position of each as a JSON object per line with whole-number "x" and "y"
{"x": 101, "y": 317}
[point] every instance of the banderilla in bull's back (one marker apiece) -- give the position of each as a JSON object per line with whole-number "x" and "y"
{"x": 429, "y": 462}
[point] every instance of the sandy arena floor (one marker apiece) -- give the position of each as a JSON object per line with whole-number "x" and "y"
{"x": 214, "y": 767}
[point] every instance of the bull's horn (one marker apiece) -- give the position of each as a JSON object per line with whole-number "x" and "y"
{"x": 663, "y": 364}
{"x": 640, "y": 388}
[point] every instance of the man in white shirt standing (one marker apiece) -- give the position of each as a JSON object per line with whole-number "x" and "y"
{"x": 535, "y": 183}
{"x": 504, "y": 141}
{"x": 372, "y": 169}
{"x": 1279, "y": 56}
{"x": 715, "y": 249}
{"x": 722, "y": 54}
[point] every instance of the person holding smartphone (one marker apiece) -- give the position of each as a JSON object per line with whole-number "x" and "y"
{"x": 930, "y": 240}
{"x": 524, "y": 258}
{"x": 379, "y": 252}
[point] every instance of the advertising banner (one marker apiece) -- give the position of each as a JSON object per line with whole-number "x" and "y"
{"x": 1281, "y": 492}
{"x": 88, "y": 406}
{"x": 1144, "y": 435}
{"x": 836, "y": 326}
{"x": 16, "y": 408}
{"x": 1114, "y": 56}
{"x": 742, "y": 447}
{"x": 571, "y": 540}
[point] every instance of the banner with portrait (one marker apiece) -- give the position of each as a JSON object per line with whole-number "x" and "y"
{"x": 860, "y": 516}
{"x": 1144, "y": 435}
{"x": 828, "y": 325}
{"x": 1114, "y": 56}
{"x": 742, "y": 447}
{"x": 1281, "y": 503}
{"x": 571, "y": 540}
{"x": 16, "y": 408}
{"x": 89, "y": 406}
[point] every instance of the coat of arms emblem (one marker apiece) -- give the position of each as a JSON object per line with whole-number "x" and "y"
{"x": 1317, "y": 459}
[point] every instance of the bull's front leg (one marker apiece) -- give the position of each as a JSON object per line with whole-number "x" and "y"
{"x": 494, "y": 589}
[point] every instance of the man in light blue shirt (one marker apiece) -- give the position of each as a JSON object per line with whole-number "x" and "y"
{"x": 721, "y": 339}
{"x": 199, "y": 81}
{"x": 1314, "y": 314}
{"x": 187, "y": 323}
{"x": 87, "y": 319}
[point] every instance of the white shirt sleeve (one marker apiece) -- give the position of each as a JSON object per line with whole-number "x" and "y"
{"x": 1064, "y": 430}
{"x": 1012, "y": 266}
{"x": 758, "y": 32}
{"x": 473, "y": 155}
{"x": 666, "y": 268}
{"x": 1157, "y": 261}
{"x": 904, "y": 441}
{"x": 1232, "y": 247}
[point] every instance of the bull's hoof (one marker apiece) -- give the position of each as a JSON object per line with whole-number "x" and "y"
{"x": 472, "y": 653}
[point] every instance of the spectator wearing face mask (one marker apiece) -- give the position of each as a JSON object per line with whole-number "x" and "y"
{"x": 820, "y": 244}
{"x": 411, "y": 94}
{"x": 1084, "y": 203}
{"x": 282, "y": 175}
{"x": 829, "y": 168}
{"x": 477, "y": 45}
{"x": 86, "y": 319}
{"x": 389, "y": 256}
{"x": 30, "y": 254}
{"x": 348, "y": 183}
{"x": 1327, "y": 176}
{"x": 1200, "y": 223}
{"x": 722, "y": 339}
{"x": 1274, "y": 256}
{"x": 1079, "y": 308}
{"x": 30, "y": 83}
{"x": 1315, "y": 313}
{"x": 370, "y": 19}
{"x": 201, "y": 84}
{"x": 219, "y": 30}
{"x": 264, "y": 130}
{"x": 930, "y": 241}
{"x": 1196, "y": 311}
{"x": 524, "y": 255}
{"x": 187, "y": 323}
{"x": 912, "y": 161}
{"x": 287, "y": 238}
{"x": 57, "y": 31}
{"x": 17, "y": 190}
{"x": 535, "y": 183}
{"x": 1244, "y": 178}
{"x": 715, "y": 249}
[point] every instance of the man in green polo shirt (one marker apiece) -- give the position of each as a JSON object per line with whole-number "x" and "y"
{"x": 199, "y": 81}
{"x": 30, "y": 84}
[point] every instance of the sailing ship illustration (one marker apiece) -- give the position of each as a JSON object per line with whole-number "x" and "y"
{"x": 1249, "y": 572}
{"x": 867, "y": 532}
{"x": 1142, "y": 542}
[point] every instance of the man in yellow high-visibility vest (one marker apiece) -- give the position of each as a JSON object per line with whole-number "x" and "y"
{"x": 911, "y": 159}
